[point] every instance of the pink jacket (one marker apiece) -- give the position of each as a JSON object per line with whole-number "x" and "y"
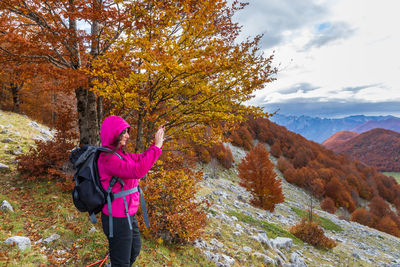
{"x": 130, "y": 170}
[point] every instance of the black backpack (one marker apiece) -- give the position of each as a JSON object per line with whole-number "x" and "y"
{"x": 88, "y": 194}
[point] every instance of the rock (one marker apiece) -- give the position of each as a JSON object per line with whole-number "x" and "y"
{"x": 263, "y": 239}
{"x": 355, "y": 255}
{"x": 247, "y": 249}
{"x": 6, "y": 206}
{"x": 211, "y": 256}
{"x": 34, "y": 124}
{"x": 239, "y": 227}
{"x": 215, "y": 242}
{"x": 46, "y": 132}
{"x": 51, "y": 238}
{"x": 21, "y": 241}
{"x": 227, "y": 260}
{"x": 14, "y": 152}
{"x": 38, "y": 138}
{"x": 217, "y": 234}
{"x": 245, "y": 212}
{"x": 281, "y": 255}
{"x": 92, "y": 230}
{"x": 297, "y": 261}
{"x": 266, "y": 258}
{"x": 282, "y": 242}
{"x": 8, "y": 141}
{"x": 201, "y": 244}
{"x": 4, "y": 167}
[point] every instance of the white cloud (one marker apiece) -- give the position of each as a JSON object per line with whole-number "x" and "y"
{"x": 337, "y": 50}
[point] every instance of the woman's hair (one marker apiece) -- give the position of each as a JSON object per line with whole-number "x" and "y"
{"x": 116, "y": 142}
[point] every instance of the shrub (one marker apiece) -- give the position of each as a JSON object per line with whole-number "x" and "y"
{"x": 364, "y": 217}
{"x": 311, "y": 233}
{"x": 276, "y": 149}
{"x": 242, "y": 138}
{"x": 379, "y": 207}
{"x": 317, "y": 188}
{"x": 283, "y": 164}
{"x": 387, "y": 225}
{"x": 47, "y": 159}
{"x": 202, "y": 154}
{"x": 336, "y": 190}
{"x": 257, "y": 176}
{"x": 223, "y": 154}
{"x": 289, "y": 174}
{"x": 328, "y": 205}
{"x": 174, "y": 214}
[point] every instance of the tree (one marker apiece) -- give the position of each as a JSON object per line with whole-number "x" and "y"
{"x": 379, "y": 207}
{"x": 363, "y": 216}
{"x": 328, "y": 205}
{"x": 54, "y": 32}
{"x": 180, "y": 66}
{"x": 257, "y": 176}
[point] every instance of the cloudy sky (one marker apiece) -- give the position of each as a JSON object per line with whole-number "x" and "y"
{"x": 335, "y": 57}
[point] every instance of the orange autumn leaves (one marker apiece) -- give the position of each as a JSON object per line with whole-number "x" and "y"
{"x": 257, "y": 176}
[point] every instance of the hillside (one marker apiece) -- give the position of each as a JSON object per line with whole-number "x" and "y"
{"x": 319, "y": 129}
{"x": 247, "y": 234}
{"x": 377, "y": 147}
{"x": 338, "y": 138}
{"x": 237, "y": 234}
{"x": 334, "y": 179}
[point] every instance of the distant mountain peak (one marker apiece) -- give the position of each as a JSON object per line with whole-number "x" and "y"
{"x": 320, "y": 129}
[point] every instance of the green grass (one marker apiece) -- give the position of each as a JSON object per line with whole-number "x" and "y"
{"x": 325, "y": 223}
{"x": 272, "y": 230}
{"x": 396, "y": 175}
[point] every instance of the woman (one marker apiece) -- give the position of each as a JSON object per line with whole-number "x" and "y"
{"x": 125, "y": 244}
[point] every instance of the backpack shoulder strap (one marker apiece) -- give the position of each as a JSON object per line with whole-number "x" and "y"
{"x": 104, "y": 149}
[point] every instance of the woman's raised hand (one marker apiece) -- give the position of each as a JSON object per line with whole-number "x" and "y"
{"x": 159, "y": 138}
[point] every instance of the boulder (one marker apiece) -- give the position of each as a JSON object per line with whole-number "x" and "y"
{"x": 282, "y": 242}
{"x": 227, "y": 261}
{"x": 21, "y": 241}
{"x": 51, "y": 238}
{"x": 4, "y": 167}
{"x": 297, "y": 261}
{"x": 6, "y": 206}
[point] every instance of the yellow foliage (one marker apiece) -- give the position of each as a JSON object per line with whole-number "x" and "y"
{"x": 180, "y": 67}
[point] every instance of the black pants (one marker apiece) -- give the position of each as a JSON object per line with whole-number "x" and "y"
{"x": 125, "y": 246}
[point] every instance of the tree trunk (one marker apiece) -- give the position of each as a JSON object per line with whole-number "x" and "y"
{"x": 15, "y": 95}
{"x": 99, "y": 111}
{"x": 139, "y": 134}
{"x": 88, "y": 117}
{"x": 150, "y": 131}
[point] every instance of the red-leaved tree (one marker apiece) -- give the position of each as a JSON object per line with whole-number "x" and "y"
{"x": 257, "y": 176}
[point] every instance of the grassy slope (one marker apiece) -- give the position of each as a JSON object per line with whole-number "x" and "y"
{"x": 41, "y": 210}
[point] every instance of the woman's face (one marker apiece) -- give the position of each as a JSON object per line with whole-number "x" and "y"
{"x": 124, "y": 138}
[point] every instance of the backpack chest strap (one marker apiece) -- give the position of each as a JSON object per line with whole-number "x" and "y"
{"x": 123, "y": 193}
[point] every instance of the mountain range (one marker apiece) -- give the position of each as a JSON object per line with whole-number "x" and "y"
{"x": 319, "y": 129}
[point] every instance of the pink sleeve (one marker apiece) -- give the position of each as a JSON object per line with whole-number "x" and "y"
{"x": 135, "y": 168}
